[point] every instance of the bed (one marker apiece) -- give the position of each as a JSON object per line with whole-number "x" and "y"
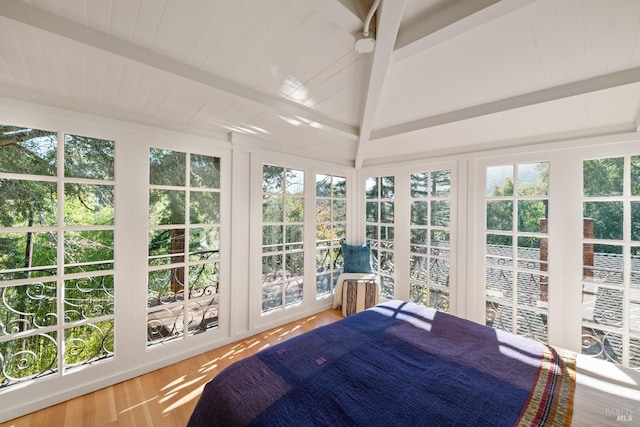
{"x": 397, "y": 363}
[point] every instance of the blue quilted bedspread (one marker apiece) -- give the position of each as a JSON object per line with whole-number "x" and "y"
{"x": 397, "y": 364}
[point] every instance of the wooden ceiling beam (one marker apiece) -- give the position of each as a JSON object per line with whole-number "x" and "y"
{"x": 389, "y": 18}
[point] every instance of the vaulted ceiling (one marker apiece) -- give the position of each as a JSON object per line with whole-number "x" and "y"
{"x": 446, "y": 76}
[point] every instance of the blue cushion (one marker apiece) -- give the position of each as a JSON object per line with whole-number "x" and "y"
{"x": 357, "y": 258}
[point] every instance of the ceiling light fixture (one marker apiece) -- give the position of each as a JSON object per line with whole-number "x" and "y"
{"x": 365, "y": 41}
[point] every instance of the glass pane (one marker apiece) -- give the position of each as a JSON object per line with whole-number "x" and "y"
{"x": 634, "y": 311}
{"x": 294, "y": 264}
{"x": 635, "y": 175}
{"x": 88, "y": 250}
{"x": 204, "y": 243}
{"x": 29, "y": 357}
{"x": 293, "y": 292}
{"x": 602, "y": 305}
{"x": 439, "y": 272}
{"x": 323, "y": 210}
{"x": 530, "y": 215}
{"x": 440, "y": 213}
{"x": 372, "y": 188}
{"x": 164, "y": 324}
{"x": 419, "y": 240}
{"x": 533, "y": 179}
{"x": 372, "y": 211}
{"x": 167, "y": 167}
{"x": 499, "y": 316}
{"x": 634, "y": 353}
{"x": 323, "y": 185}
{"x": 272, "y": 236}
{"x": 602, "y": 344}
{"x": 499, "y": 181}
{"x": 532, "y": 290}
{"x": 28, "y": 255}
{"x": 372, "y": 232}
{"x": 499, "y": 249}
{"x": 271, "y": 268}
{"x": 324, "y": 260}
{"x": 441, "y": 183}
{"x": 419, "y": 268}
{"x": 340, "y": 231}
{"x": 166, "y": 246}
{"x": 500, "y": 215}
{"x": 387, "y": 189}
{"x": 499, "y": 284}
{"x": 205, "y": 171}
{"x": 271, "y": 297}
{"x": 532, "y": 325}
{"x": 88, "y": 157}
{"x": 635, "y": 266}
{"x": 323, "y": 285}
{"x": 607, "y": 219}
{"x": 419, "y": 185}
{"x": 205, "y": 207}
{"x": 386, "y": 212}
{"x": 295, "y": 181}
{"x": 603, "y": 177}
{"x": 27, "y": 307}
{"x": 440, "y": 242}
{"x": 272, "y": 208}
{"x": 88, "y": 297}
{"x": 295, "y": 237}
{"x": 28, "y": 203}
{"x": 533, "y": 253}
{"x": 204, "y": 279}
{"x": 272, "y": 179}
{"x": 166, "y": 207}
{"x": 28, "y": 151}
{"x": 386, "y": 233}
{"x": 419, "y": 213}
{"x": 339, "y": 187}
{"x": 603, "y": 263}
{"x": 165, "y": 286}
{"x": 635, "y": 221}
{"x": 295, "y": 209}
{"x": 323, "y": 234}
{"x": 86, "y": 204}
{"x": 202, "y": 315}
{"x": 339, "y": 210}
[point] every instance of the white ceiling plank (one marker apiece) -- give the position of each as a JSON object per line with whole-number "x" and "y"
{"x": 99, "y": 14}
{"x": 389, "y": 18}
{"x": 461, "y": 16}
{"x": 21, "y": 12}
{"x": 556, "y": 93}
{"x": 124, "y": 14}
{"x": 344, "y": 13}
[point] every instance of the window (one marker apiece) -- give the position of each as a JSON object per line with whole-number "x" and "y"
{"x": 56, "y": 252}
{"x": 184, "y": 245}
{"x": 516, "y": 248}
{"x": 282, "y": 237}
{"x": 331, "y": 226}
{"x": 430, "y": 238}
{"x": 611, "y": 260}
{"x": 379, "y": 221}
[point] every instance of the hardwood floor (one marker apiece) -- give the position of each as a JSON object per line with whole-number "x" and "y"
{"x": 165, "y": 397}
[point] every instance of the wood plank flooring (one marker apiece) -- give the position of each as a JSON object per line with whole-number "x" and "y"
{"x": 165, "y": 397}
